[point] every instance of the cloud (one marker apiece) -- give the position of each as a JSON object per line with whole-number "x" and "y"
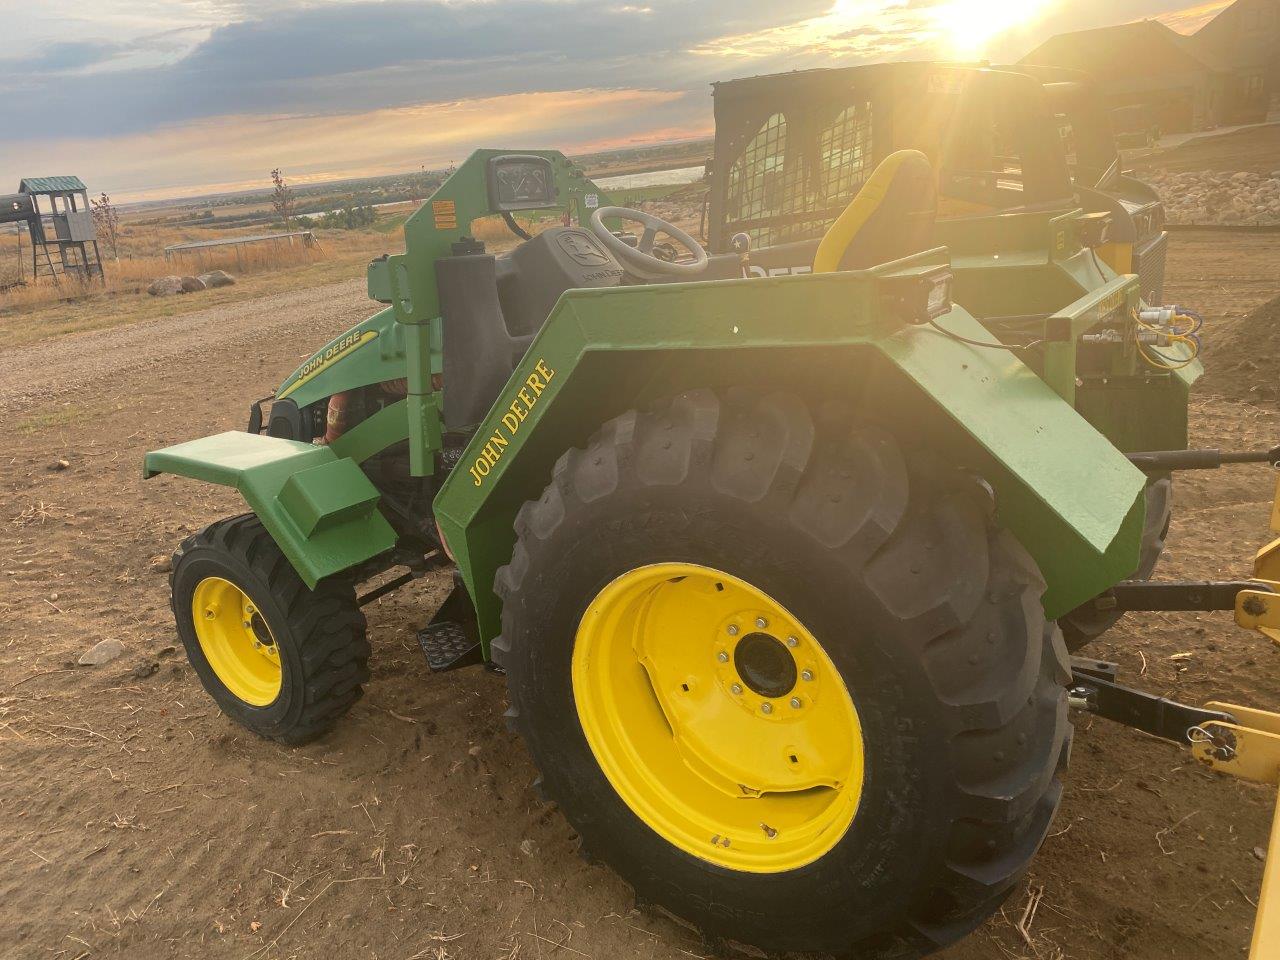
{"x": 344, "y": 57}
{"x": 232, "y": 153}
{"x": 63, "y": 57}
{"x": 199, "y": 91}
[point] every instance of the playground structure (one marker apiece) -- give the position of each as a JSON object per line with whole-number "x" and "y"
{"x": 64, "y": 238}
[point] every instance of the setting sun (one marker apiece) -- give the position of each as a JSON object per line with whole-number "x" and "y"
{"x": 967, "y": 26}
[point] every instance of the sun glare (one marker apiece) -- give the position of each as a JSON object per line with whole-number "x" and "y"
{"x": 968, "y": 26}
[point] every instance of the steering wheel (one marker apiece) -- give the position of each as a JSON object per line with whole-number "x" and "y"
{"x": 641, "y": 260}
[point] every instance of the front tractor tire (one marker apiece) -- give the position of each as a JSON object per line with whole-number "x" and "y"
{"x": 796, "y": 689}
{"x": 284, "y": 661}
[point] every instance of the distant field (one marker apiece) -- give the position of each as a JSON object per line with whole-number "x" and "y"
{"x": 43, "y": 310}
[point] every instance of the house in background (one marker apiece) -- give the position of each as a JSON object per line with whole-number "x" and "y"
{"x": 1245, "y": 37}
{"x": 1144, "y": 64}
{"x": 1228, "y": 72}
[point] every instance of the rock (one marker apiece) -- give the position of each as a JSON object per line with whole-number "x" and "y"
{"x": 192, "y": 284}
{"x": 165, "y": 286}
{"x": 104, "y": 651}
{"x": 59, "y": 465}
{"x": 217, "y": 278}
{"x": 528, "y": 847}
{"x": 145, "y": 669}
{"x": 1259, "y": 854}
{"x": 161, "y": 563}
{"x": 474, "y": 751}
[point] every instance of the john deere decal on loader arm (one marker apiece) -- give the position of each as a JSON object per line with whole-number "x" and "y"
{"x": 772, "y": 565}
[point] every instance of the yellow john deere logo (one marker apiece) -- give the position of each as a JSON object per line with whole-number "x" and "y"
{"x": 526, "y": 398}
{"x": 330, "y": 355}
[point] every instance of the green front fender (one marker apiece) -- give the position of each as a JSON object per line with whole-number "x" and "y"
{"x": 318, "y": 506}
{"x": 1073, "y": 500}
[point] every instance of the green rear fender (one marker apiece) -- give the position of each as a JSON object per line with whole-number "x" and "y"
{"x": 1065, "y": 491}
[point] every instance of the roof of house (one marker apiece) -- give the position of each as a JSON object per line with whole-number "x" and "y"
{"x": 50, "y": 185}
{"x": 1236, "y": 40}
{"x": 1125, "y": 51}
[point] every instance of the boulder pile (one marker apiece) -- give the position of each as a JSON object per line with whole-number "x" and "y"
{"x": 169, "y": 286}
{"x": 1207, "y": 197}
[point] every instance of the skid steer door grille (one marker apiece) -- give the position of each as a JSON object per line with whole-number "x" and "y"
{"x": 786, "y": 186}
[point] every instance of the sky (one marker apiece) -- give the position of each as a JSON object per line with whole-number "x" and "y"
{"x": 146, "y": 99}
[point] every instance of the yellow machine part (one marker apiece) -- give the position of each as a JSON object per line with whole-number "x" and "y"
{"x": 1117, "y": 256}
{"x": 236, "y": 641}
{"x": 1250, "y": 750}
{"x": 718, "y": 718}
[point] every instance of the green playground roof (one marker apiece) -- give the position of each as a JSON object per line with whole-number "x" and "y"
{"x": 51, "y": 185}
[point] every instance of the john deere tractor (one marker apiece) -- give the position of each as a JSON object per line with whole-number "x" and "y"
{"x": 772, "y": 565}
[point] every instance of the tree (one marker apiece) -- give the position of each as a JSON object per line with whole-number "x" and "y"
{"x": 281, "y": 197}
{"x": 107, "y": 219}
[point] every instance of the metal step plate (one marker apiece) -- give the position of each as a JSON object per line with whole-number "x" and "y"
{"x": 447, "y": 646}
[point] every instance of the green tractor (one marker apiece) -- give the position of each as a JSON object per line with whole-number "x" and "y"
{"x": 772, "y": 564}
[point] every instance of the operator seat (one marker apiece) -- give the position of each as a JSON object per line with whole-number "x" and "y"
{"x": 893, "y": 216}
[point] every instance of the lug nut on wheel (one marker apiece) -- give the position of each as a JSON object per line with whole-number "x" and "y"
{"x": 733, "y": 630}
{"x": 722, "y": 657}
{"x": 796, "y": 703}
{"x": 792, "y": 642}
{"x": 761, "y": 623}
{"x": 736, "y": 688}
{"x": 806, "y": 674}
{"x": 766, "y": 708}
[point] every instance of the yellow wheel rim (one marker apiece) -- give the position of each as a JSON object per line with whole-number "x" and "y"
{"x": 236, "y": 641}
{"x": 718, "y": 718}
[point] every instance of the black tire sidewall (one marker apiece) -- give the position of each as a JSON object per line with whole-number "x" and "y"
{"x": 907, "y": 764}
{"x": 201, "y": 562}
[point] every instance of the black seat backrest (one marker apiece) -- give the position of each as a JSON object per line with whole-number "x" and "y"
{"x": 479, "y": 353}
{"x": 893, "y": 216}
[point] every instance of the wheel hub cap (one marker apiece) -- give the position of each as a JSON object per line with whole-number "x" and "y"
{"x": 718, "y": 718}
{"x": 236, "y": 641}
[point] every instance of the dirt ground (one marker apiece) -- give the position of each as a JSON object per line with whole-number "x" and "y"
{"x": 137, "y": 821}
{"x": 1255, "y": 149}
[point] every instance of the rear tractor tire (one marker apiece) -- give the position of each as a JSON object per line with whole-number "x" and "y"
{"x": 796, "y": 689}
{"x": 284, "y": 661}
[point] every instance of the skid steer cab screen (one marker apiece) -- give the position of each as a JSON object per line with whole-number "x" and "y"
{"x": 521, "y": 182}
